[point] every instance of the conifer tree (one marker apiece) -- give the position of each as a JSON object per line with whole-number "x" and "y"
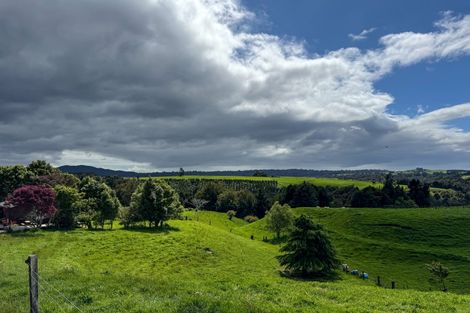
{"x": 308, "y": 252}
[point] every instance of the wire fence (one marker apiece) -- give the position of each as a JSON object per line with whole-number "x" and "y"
{"x": 55, "y": 296}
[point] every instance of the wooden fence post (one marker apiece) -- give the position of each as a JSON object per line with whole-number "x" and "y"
{"x": 32, "y": 262}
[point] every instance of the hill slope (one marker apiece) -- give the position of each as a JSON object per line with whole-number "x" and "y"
{"x": 194, "y": 267}
{"x": 395, "y": 244}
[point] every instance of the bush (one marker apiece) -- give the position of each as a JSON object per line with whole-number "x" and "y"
{"x": 231, "y": 214}
{"x": 251, "y": 218}
{"x": 127, "y": 216}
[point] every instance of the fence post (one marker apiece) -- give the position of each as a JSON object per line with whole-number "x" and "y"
{"x": 32, "y": 262}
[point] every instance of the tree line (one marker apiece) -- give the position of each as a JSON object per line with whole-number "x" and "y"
{"x": 95, "y": 201}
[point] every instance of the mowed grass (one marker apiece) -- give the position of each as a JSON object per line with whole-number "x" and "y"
{"x": 285, "y": 181}
{"x": 208, "y": 264}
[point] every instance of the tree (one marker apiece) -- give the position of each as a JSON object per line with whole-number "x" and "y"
{"x": 227, "y": 200}
{"x": 210, "y": 192}
{"x": 419, "y": 193}
{"x": 323, "y": 198}
{"x": 155, "y": 201}
{"x": 309, "y": 251}
{"x": 198, "y": 203}
{"x": 59, "y": 178}
{"x": 304, "y": 194}
{"x": 67, "y": 213}
{"x": 123, "y": 186}
{"x": 259, "y": 173}
{"x": 128, "y": 216}
{"x": 231, "y": 214}
{"x": 40, "y": 168}
{"x": 439, "y": 273}
{"x": 368, "y": 197}
{"x": 106, "y": 203}
{"x": 12, "y": 177}
{"x": 246, "y": 202}
{"x": 262, "y": 203}
{"x": 32, "y": 201}
{"x": 88, "y": 211}
{"x": 181, "y": 172}
{"x": 279, "y": 218}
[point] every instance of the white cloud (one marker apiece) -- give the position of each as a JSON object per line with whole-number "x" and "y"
{"x": 75, "y": 157}
{"x": 169, "y": 83}
{"x": 362, "y": 35}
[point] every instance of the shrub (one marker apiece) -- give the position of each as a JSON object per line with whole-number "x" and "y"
{"x": 251, "y": 218}
{"x": 231, "y": 214}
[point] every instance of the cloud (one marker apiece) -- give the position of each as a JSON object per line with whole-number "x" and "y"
{"x": 167, "y": 83}
{"x": 362, "y": 35}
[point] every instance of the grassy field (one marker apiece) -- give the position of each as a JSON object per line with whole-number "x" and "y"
{"x": 209, "y": 264}
{"x": 395, "y": 244}
{"x": 284, "y": 181}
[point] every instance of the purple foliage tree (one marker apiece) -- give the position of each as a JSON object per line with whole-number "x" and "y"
{"x": 31, "y": 201}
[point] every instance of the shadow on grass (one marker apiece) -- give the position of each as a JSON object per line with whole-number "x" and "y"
{"x": 143, "y": 229}
{"x": 276, "y": 240}
{"x": 332, "y": 276}
{"x": 25, "y": 233}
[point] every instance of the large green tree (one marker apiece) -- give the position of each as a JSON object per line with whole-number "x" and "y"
{"x": 155, "y": 201}
{"x": 40, "y": 168}
{"x": 246, "y": 203}
{"x": 227, "y": 200}
{"x": 67, "y": 213}
{"x": 12, "y": 177}
{"x": 106, "y": 203}
{"x": 308, "y": 252}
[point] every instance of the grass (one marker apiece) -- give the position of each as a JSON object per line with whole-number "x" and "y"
{"x": 208, "y": 264}
{"x": 285, "y": 181}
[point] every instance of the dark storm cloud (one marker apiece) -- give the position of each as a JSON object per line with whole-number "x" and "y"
{"x": 163, "y": 84}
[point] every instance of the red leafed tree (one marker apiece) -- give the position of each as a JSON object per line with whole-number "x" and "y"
{"x": 31, "y": 201}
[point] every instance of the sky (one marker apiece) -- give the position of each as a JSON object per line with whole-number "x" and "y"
{"x": 224, "y": 84}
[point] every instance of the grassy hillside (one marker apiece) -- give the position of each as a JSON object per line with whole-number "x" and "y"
{"x": 204, "y": 264}
{"x": 396, "y": 243}
{"x": 284, "y": 181}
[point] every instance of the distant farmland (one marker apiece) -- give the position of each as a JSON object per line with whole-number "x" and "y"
{"x": 284, "y": 181}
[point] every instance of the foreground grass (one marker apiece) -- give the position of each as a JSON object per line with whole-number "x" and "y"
{"x": 205, "y": 265}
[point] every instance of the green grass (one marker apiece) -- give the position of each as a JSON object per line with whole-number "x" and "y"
{"x": 209, "y": 264}
{"x": 285, "y": 181}
{"x": 395, "y": 244}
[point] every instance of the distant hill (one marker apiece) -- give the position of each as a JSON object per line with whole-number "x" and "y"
{"x": 352, "y": 174}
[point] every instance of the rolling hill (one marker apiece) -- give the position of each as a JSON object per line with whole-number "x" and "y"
{"x": 208, "y": 264}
